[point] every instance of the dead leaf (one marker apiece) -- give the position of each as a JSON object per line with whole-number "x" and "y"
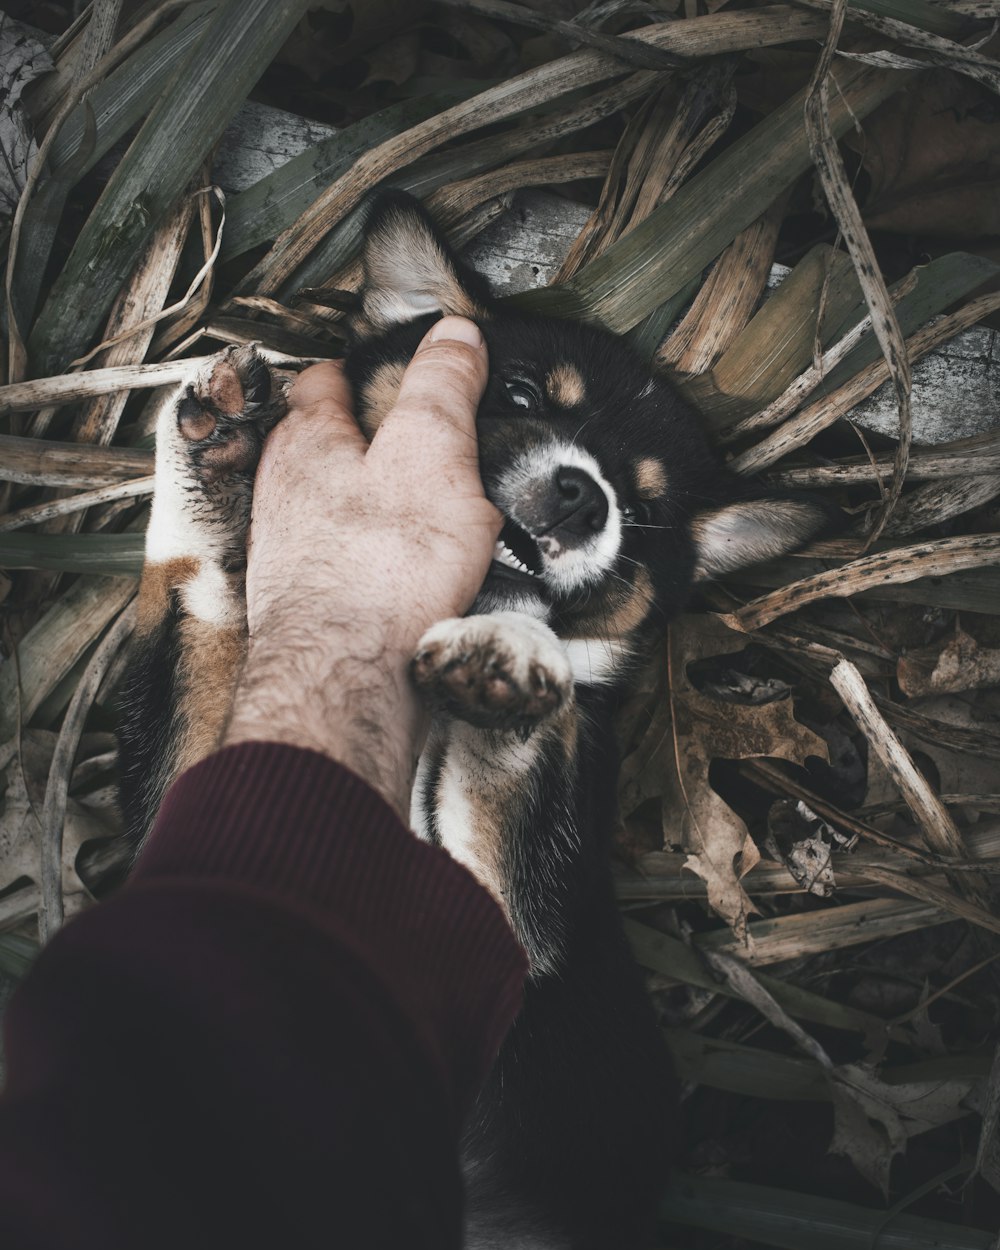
{"x": 927, "y": 1036}
{"x": 688, "y": 730}
{"x": 874, "y": 1120}
{"x": 932, "y": 152}
{"x": 958, "y": 664}
{"x": 22, "y": 59}
{"x": 394, "y": 61}
{"x": 804, "y": 843}
{"x": 959, "y": 772}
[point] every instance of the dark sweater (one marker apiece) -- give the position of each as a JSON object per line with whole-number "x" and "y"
{"x": 268, "y": 1038}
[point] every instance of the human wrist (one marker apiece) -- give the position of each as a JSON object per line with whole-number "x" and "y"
{"x": 340, "y": 688}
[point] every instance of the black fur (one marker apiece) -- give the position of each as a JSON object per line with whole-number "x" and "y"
{"x": 574, "y": 1132}
{"x": 572, "y": 1136}
{"x": 147, "y": 725}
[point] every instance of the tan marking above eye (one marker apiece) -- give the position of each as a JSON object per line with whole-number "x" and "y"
{"x": 564, "y": 386}
{"x": 379, "y": 395}
{"x": 650, "y": 478}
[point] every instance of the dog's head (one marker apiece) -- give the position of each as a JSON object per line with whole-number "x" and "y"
{"x": 615, "y": 506}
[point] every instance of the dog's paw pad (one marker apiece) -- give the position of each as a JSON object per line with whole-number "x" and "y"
{"x": 225, "y": 415}
{"x": 494, "y": 672}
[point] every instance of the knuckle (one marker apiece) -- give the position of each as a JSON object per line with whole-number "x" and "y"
{"x": 450, "y": 363}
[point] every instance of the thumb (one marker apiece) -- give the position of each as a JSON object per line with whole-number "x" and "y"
{"x": 442, "y": 386}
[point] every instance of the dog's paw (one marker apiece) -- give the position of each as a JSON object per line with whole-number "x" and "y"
{"x": 224, "y": 416}
{"x": 507, "y": 671}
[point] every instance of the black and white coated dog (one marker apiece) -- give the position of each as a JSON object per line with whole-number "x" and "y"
{"x": 614, "y": 509}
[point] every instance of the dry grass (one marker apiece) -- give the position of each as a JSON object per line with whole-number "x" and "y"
{"x": 791, "y": 800}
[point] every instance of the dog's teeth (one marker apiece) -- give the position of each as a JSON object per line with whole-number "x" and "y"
{"x": 503, "y": 555}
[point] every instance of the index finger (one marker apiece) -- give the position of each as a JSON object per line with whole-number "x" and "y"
{"x": 323, "y": 390}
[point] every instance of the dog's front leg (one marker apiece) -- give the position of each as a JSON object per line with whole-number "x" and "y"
{"x": 191, "y": 630}
{"x": 497, "y": 782}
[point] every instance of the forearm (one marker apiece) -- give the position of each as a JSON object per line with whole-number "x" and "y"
{"x": 352, "y": 558}
{"x": 290, "y": 978}
{"x": 337, "y": 687}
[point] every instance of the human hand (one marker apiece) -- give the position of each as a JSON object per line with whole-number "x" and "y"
{"x": 356, "y": 550}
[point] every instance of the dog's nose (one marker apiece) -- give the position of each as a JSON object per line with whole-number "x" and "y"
{"x": 580, "y": 504}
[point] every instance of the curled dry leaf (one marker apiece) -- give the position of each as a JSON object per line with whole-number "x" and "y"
{"x": 688, "y": 730}
{"x": 960, "y": 664}
{"x": 873, "y": 1120}
{"x": 804, "y": 844}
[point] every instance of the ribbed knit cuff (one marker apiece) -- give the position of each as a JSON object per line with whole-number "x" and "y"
{"x": 311, "y": 834}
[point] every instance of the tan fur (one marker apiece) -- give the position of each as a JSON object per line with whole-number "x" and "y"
{"x": 564, "y": 386}
{"x": 498, "y": 791}
{"x": 211, "y": 660}
{"x": 417, "y": 265}
{"x": 748, "y": 533}
{"x": 158, "y": 580}
{"x": 621, "y": 613}
{"x": 650, "y": 479}
{"x": 380, "y": 393}
{"x": 485, "y": 842}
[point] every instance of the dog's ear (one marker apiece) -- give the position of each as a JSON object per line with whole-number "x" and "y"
{"x": 754, "y": 530}
{"x": 409, "y": 269}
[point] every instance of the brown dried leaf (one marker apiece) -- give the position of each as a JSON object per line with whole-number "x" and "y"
{"x": 873, "y": 1120}
{"x": 687, "y": 732}
{"x": 394, "y": 61}
{"x": 958, "y": 772}
{"x": 932, "y": 152}
{"x": 960, "y": 664}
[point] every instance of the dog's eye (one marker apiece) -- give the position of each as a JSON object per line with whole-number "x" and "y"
{"x": 522, "y": 395}
{"x": 634, "y": 513}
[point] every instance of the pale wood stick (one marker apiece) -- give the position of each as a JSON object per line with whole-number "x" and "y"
{"x": 940, "y": 831}
{"x": 75, "y": 503}
{"x": 904, "y": 564}
{"x": 37, "y": 462}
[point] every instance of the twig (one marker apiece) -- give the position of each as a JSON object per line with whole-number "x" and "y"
{"x": 200, "y": 279}
{"x": 66, "y": 388}
{"x": 904, "y": 564}
{"x": 75, "y": 503}
{"x": 833, "y": 175}
{"x": 940, "y": 830}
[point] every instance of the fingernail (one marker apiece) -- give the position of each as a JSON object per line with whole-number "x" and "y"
{"x": 457, "y": 330}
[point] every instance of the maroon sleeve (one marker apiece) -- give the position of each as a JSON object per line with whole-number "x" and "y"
{"x": 268, "y": 1038}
